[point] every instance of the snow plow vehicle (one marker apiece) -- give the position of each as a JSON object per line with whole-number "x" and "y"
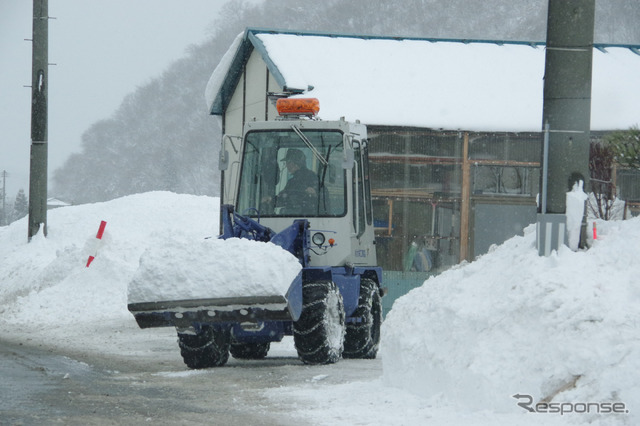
{"x": 300, "y": 184}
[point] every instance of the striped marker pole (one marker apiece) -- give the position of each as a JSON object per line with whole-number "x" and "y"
{"x": 103, "y": 225}
{"x": 595, "y": 231}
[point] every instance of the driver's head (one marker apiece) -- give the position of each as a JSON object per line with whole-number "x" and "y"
{"x": 296, "y": 157}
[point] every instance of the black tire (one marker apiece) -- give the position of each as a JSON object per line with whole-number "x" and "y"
{"x": 208, "y": 348}
{"x": 363, "y": 338}
{"x": 319, "y": 332}
{"x": 249, "y": 350}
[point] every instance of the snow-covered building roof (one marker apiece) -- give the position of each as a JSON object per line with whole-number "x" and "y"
{"x": 475, "y": 85}
{"x": 53, "y": 203}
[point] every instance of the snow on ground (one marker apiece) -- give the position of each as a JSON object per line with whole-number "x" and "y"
{"x": 560, "y": 330}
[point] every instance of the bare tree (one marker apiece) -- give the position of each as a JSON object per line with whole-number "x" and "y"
{"x": 603, "y": 190}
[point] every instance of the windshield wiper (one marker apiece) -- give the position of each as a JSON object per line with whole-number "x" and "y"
{"x": 310, "y": 145}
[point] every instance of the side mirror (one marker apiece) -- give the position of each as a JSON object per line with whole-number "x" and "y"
{"x": 223, "y": 160}
{"x": 347, "y": 158}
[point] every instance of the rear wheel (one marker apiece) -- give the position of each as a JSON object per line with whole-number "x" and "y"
{"x": 249, "y": 350}
{"x": 319, "y": 332}
{"x": 363, "y": 337}
{"x": 207, "y": 348}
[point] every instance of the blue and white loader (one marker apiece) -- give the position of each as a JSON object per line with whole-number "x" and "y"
{"x": 333, "y": 306}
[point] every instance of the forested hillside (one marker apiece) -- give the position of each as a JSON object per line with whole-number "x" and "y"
{"x": 162, "y": 137}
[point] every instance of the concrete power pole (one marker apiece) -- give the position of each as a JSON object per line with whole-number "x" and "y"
{"x": 39, "y": 147}
{"x": 566, "y": 114}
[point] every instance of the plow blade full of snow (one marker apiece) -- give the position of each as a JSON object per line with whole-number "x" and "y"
{"x": 248, "y": 275}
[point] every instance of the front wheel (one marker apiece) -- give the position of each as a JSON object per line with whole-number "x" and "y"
{"x": 207, "y": 348}
{"x": 363, "y": 337}
{"x": 319, "y": 332}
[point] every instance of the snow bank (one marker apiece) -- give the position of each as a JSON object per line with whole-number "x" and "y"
{"x": 212, "y": 268}
{"x": 46, "y": 284}
{"x": 562, "y": 328}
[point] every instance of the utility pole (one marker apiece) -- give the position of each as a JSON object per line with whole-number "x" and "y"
{"x": 39, "y": 147}
{"x": 566, "y": 114}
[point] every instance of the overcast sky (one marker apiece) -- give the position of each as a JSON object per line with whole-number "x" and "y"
{"x": 102, "y": 50}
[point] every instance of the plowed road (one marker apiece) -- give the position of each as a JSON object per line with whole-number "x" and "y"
{"x": 42, "y": 386}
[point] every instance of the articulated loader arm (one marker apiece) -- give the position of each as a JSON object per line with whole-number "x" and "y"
{"x": 294, "y": 239}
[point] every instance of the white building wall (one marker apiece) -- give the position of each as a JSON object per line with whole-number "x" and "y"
{"x": 256, "y": 85}
{"x": 234, "y": 112}
{"x": 248, "y": 102}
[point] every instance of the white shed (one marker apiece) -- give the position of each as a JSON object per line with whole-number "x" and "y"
{"x": 455, "y": 125}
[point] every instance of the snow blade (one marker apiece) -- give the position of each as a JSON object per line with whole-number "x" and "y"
{"x": 184, "y": 313}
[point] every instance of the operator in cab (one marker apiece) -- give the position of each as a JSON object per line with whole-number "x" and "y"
{"x": 300, "y": 194}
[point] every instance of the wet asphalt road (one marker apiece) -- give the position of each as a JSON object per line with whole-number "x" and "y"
{"x": 39, "y": 386}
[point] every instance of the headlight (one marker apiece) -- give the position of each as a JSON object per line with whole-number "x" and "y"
{"x": 318, "y": 239}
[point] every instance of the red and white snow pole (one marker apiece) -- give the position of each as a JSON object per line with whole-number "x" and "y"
{"x": 103, "y": 225}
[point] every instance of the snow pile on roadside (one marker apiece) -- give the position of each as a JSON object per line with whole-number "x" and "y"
{"x": 212, "y": 268}
{"x": 47, "y": 291}
{"x": 562, "y": 328}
